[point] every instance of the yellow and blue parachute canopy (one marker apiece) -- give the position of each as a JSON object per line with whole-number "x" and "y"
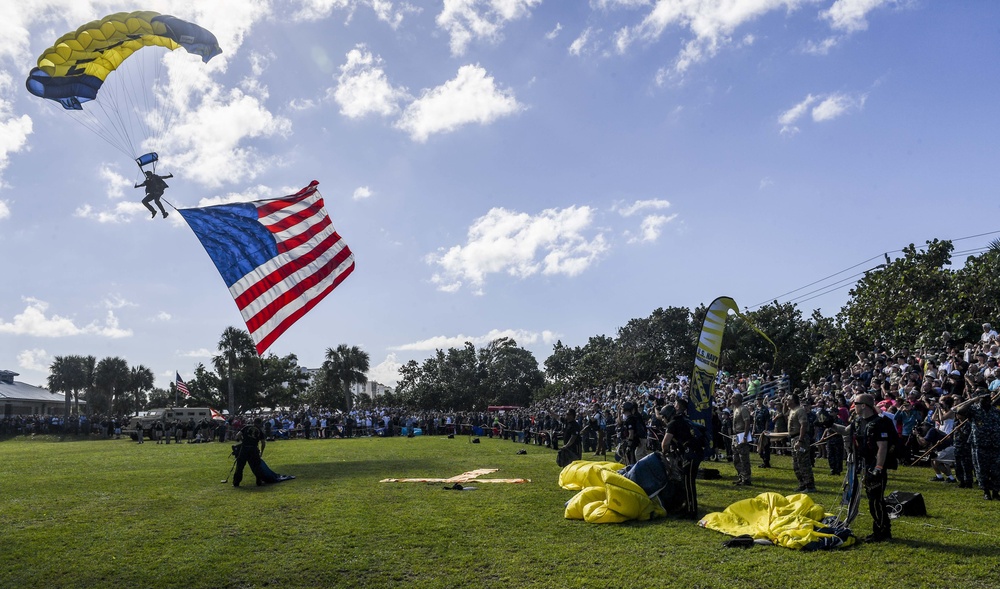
{"x": 73, "y": 70}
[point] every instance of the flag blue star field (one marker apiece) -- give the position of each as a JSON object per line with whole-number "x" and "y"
{"x": 279, "y": 257}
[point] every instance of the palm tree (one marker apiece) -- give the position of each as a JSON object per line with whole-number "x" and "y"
{"x": 70, "y": 375}
{"x": 112, "y": 381}
{"x": 236, "y": 347}
{"x": 140, "y": 380}
{"x": 346, "y": 366}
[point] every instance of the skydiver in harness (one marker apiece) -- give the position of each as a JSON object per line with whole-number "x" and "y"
{"x": 154, "y": 191}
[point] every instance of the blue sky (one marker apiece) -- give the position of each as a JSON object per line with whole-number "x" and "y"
{"x": 539, "y": 169}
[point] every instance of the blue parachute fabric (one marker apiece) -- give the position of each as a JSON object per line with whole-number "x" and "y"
{"x": 147, "y": 158}
{"x": 233, "y": 237}
{"x": 70, "y": 92}
{"x": 190, "y": 36}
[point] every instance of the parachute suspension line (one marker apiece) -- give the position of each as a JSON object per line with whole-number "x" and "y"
{"x": 91, "y": 124}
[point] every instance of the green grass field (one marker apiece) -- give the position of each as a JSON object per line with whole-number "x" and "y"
{"x": 117, "y": 514}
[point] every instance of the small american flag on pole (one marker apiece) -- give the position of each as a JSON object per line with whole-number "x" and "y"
{"x": 279, "y": 257}
{"x": 181, "y": 387}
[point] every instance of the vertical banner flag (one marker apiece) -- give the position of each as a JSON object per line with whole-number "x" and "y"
{"x": 706, "y": 360}
{"x": 279, "y": 257}
{"x": 181, "y": 387}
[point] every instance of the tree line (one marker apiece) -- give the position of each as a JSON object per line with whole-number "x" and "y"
{"x": 903, "y": 303}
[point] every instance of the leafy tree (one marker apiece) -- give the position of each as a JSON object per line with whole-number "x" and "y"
{"x": 343, "y": 367}
{"x": 239, "y": 365}
{"x": 67, "y": 374}
{"x": 140, "y": 381}
{"x": 510, "y": 374}
{"x": 596, "y": 364}
{"x": 560, "y": 364}
{"x": 112, "y": 380}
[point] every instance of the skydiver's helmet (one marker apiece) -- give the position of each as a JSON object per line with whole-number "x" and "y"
{"x": 149, "y": 174}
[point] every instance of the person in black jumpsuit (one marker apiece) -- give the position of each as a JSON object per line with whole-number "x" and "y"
{"x": 680, "y": 441}
{"x": 249, "y": 449}
{"x": 154, "y": 191}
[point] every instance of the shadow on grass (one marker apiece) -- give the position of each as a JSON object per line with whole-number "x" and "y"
{"x": 353, "y": 468}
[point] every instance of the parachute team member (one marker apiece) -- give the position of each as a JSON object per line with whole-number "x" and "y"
{"x": 632, "y": 431}
{"x": 742, "y": 427}
{"x": 761, "y": 427}
{"x": 871, "y": 443}
{"x": 798, "y": 435}
{"x": 249, "y": 450}
{"x": 154, "y": 191}
{"x": 685, "y": 443}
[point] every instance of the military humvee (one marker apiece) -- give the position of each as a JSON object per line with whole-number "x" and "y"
{"x": 170, "y": 414}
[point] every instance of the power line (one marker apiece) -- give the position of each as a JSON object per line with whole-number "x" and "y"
{"x": 842, "y": 282}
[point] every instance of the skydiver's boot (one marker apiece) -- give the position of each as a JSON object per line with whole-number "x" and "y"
{"x": 164, "y": 214}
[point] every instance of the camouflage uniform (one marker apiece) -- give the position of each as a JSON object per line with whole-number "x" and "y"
{"x": 985, "y": 441}
{"x": 801, "y": 452}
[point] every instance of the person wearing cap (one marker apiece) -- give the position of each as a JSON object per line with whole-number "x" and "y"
{"x": 681, "y": 440}
{"x": 801, "y": 439}
{"x": 742, "y": 427}
{"x": 251, "y": 446}
{"x": 871, "y": 446}
{"x": 631, "y": 431}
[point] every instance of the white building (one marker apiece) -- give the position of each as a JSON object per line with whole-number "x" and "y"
{"x": 20, "y": 398}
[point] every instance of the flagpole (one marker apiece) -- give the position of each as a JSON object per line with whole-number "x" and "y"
{"x": 175, "y": 387}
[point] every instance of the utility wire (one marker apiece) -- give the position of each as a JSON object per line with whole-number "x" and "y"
{"x": 842, "y": 282}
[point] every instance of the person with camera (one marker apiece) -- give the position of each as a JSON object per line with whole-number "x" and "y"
{"x": 248, "y": 450}
{"x": 871, "y": 444}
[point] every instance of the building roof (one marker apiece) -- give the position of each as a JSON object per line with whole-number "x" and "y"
{"x": 12, "y": 390}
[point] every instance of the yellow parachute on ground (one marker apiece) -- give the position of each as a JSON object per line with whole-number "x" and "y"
{"x": 605, "y": 496}
{"x": 794, "y": 522}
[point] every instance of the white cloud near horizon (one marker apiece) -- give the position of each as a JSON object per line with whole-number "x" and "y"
{"x": 441, "y": 342}
{"x": 34, "y": 322}
{"x": 363, "y": 89}
{"x": 35, "y": 359}
{"x": 199, "y": 353}
{"x": 386, "y": 371}
{"x": 471, "y": 20}
{"x": 553, "y": 242}
{"x": 4, "y": 209}
{"x": 121, "y": 212}
{"x": 471, "y": 97}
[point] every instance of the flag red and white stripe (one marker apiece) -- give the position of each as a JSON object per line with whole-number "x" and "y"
{"x": 181, "y": 387}
{"x": 312, "y": 260}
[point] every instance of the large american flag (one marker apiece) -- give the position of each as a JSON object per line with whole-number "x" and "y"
{"x": 279, "y": 257}
{"x": 181, "y": 387}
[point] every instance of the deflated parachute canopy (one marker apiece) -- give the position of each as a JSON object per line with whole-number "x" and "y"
{"x": 73, "y": 70}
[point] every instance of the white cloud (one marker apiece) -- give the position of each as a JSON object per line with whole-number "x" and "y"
{"x": 33, "y": 322}
{"x": 788, "y": 118}
{"x": 579, "y": 44}
{"x": 552, "y": 242}
{"x": 441, "y": 342}
{"x": 116, "y": 183}
{"x": 14, "y": 130}
{"x": 651, "y": 228}
{"x": 712, "y": 24}
{"x": 386, "y": 371}
{"x": 765, "y": 182}
{"x": 363, "y": 89}
{"x": 554, "y": 32}
{"x": 821, "y": 108}
{"x": 116, "y": 301}
{"x": 384, "y": 10}
{"x": 4, "y": 209}
{"x": 35, "y": 359}
{"x": 612, "y": 4}
{"x": 642, "y": 205}
{"x": 162, "y": 316}
{"x": 471, "y": 97}
{"x": 362, "y": 192}
{"x": 469, "y": 20}
{"x": 850, "y": 15}
{"x": 199, "y": 353}
{"x": 121, "y": 212}
{"x": 253, "y": 193}
{"x": 822, "y": 47}
{"x": 835, "y": 106}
